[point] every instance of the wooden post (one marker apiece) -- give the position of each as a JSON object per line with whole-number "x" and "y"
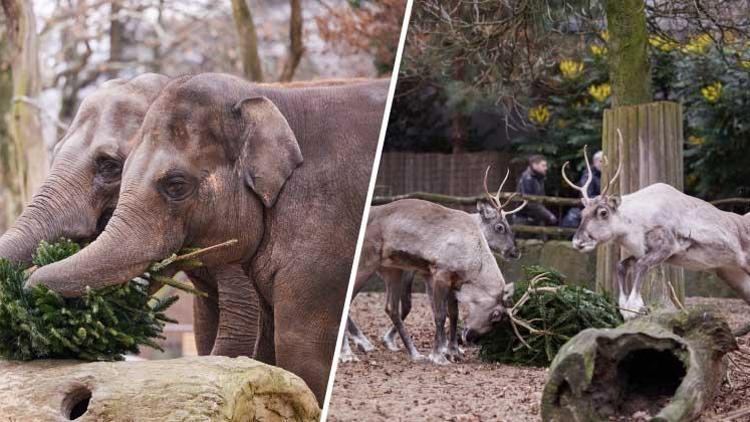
{"x": 652, "y": 153}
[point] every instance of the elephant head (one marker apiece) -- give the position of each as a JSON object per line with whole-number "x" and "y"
{"x": 81, "y": 189}
{"x": 213, "y": 157}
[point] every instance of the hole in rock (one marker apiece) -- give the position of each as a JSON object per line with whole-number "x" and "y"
{"x": 76, "y": 403}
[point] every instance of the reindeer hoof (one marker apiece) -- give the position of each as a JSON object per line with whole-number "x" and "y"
{"x": 348, "y": 357}
{"x": 418, "y": 357}
{"x": 389, "y": 341}
{"x": 438, "y": 358}
{"x": 363, "y": 344}
{"x": 454, "y": 354}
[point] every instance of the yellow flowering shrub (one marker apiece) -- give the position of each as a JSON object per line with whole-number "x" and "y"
{"x": 539, "y": 114}
{"x": 696, "y": 140}
{"x": 571, "y": 69}
{"x": 600, "y": 92}
{"x": 698, "y": 44}
{"x": 598, "y": 50}
{"x": 661, "y": 43}
{"x": 712, "y": 92}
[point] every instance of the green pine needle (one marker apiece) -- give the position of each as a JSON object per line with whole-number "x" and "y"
{"x": 102, "y": 324}
{"x": 558, "y": 315}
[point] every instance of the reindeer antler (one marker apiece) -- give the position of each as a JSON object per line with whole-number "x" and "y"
{"x": 495, "y": 199}
{"x": 619, "y": 164}
{"x": 585, "y": 188}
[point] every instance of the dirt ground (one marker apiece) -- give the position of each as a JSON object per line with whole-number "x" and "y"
{"x": 386, "y": 386}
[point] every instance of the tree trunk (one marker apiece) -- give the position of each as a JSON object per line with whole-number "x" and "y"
{"x": 116, "y": 42}
{"x": 248, "y": 40}
{"x": 629, "y": 70}
{"x": 296, "y": 47}
{"x": 652, "y": 136}
{"x": 6, "y": 98}
{"x": 669, "y": 365}
{"x": 26, "y": 155}
{"x": 208, "y": 388}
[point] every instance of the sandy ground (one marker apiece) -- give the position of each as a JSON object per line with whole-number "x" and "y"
{"x": 386, "y": 386}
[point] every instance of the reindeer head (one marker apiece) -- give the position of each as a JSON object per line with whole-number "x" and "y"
{"x": 494, "y": 222}
{"x": 600, "y": 221}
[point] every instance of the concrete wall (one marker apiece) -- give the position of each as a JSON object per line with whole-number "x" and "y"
{"x": 580, "y": 269}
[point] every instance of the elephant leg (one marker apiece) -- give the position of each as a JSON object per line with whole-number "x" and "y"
{"x": 304, "y": 345}
{"x": 265, "y": 344}
{"x": 238, "y": 312}
{"x": 205, "y": 313}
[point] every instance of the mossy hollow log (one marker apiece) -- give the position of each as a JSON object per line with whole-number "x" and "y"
{"x": 668, "y": 365}
{"x": 207, "y": 388}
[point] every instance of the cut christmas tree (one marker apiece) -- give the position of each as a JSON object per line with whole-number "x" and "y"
{"x": 102, "y": 324}
{"x": 546, "y": 313}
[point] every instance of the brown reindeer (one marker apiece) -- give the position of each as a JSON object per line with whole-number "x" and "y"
{"x": 453, "y": 249}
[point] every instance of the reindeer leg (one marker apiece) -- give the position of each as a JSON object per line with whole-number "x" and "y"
{"x": 389, "y": 338}
{"x": 455, "y": 353}
{"x": 440, "y": 292}
{"x": 361, "y": 340}
{"x": 392, "y": 278}
{"x": 367, "y": 267}
{"x": 660, "y": 245}
{"x": 346, "y": 351}
{"x": 623, "y": 270}
{"x": 738, "y": 279}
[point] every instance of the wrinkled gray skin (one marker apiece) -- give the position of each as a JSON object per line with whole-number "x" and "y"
{"x": 500, "y": 238}
{"x": 83, "y": 187}
{"x": 447, "y": 246}
{"x": 83, "y": 184}
{"x": 283, "y": 171}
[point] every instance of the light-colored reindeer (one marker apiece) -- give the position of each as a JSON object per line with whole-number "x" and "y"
{"x": 453, "y": 249}
{"x": 659, "y": 224}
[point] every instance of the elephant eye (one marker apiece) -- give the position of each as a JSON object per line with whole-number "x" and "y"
{"x": 177, "y": 186}
{"x": 109, "y": 168}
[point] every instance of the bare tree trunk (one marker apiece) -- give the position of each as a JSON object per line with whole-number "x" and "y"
{"x": 6, "y": 98}
{"x": 156, "y": 66}
{"x": 629, "y": 70}
{"x": 116, "y": 44}
{"x": 248, "y": 40}
{"x": 26, "y": 155}
{"x": 296, "y": 47}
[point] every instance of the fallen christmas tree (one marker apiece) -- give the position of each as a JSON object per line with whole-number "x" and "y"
{"x": 103, "y": 324}
{"x": 666, "y": 367}
{"x": 545, "y": 315}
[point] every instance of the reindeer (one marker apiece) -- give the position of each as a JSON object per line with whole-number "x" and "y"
{"x": 659, "y": 224}
{"x": 453, "y": 249}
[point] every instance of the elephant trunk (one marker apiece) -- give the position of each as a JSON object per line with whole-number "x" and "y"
{"x": 60, "y": 208}
{"x": 121, "y": 252}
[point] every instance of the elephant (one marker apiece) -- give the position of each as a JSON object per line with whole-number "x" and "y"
{"x": 82, "y": 189}
{"x": 283, "y": 171}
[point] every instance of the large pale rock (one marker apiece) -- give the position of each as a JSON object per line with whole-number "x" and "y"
{"x": 207, "y": 388}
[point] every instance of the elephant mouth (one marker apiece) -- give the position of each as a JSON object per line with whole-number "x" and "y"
{"x": 101, "y": 223}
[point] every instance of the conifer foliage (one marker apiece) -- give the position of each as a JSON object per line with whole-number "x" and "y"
{"x": 547, "y": 312}
{"x": 103, "y": 324}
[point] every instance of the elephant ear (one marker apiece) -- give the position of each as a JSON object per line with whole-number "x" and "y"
{"x": 269, "y": 151}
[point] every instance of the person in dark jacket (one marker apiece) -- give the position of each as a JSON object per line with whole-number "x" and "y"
{"x": 532, "y": 183}
{"x": 573, "y": 217}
